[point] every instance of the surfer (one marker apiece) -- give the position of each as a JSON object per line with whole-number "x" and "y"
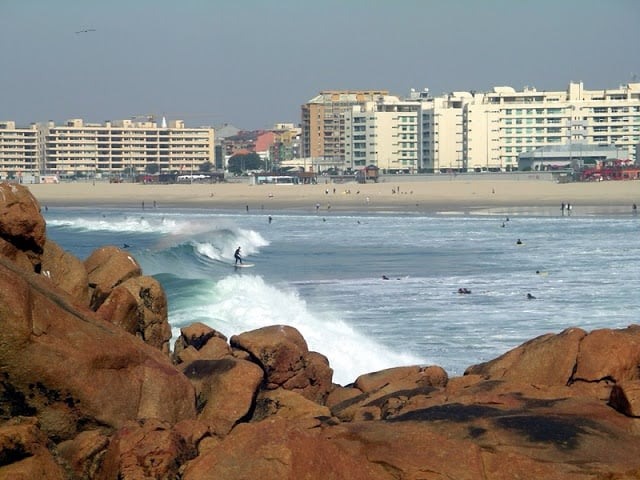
{"x": 519, "y": 242}
{"x": 237, "y": 256}
{"x": 530, "y": 297}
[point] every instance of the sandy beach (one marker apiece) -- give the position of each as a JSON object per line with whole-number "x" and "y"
{"x": 408, "y": 195}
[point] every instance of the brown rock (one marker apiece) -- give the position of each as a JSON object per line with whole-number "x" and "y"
{"x": 65, "y": 271}
{"x": 625, "y": 398}
{"x": 148, "y": 449}
{"x": 283, "y": 354}
{"x": 401, "y": 378}
{"x": 289, "y": 405}
{"x": 121, "y": 308}
{"x": 67, "y": 367}
{"x": 83, "y": 454}
{"x": 154, "y": 326}
{"x": 108, "y": 267}
{"x": 21, "y": 222}
{"x": 23, "y": 260}
{"x": 609, "y": 355}
{"x": 225, "y": 390}
{"x": 23, "y": 452}
{"x": 277, "y": 449}
{"x": 545, "y": 360}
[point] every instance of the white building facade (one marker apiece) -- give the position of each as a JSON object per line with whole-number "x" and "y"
{"x": 383, "y": 133}
{"x": 471, "y": 131}
{"x": 113, "y": 148}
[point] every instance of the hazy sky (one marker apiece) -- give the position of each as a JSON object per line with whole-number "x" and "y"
{"x": 253, "y": 63}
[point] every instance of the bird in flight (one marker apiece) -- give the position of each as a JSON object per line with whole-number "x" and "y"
{"x": 86, "y": 30}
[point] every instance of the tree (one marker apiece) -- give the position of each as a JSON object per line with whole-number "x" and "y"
{"x": 151, "y": 168}
{"x": 205, "y": 167}
{"x": 243, "y": 162}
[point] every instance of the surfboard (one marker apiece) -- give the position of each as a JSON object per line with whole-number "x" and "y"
{"x": 243, "y": 265}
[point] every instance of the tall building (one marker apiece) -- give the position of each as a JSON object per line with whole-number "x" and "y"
{"x": 20, "y": 150}
{"x": 487, "y": 131}
{"x": 323, "y": 124}
{"x": 114, "y": 148}
{"x": 383, "y": 133}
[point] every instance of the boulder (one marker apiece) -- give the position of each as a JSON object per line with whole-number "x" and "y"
{"x": 121, "y": 308}
{"x": 83, "y": 454}
{"x": 625, "y": 398}
{"x": 108, "y": 267}
{"x": 23, "y": 452}
{"x": 278, "y": 449}
{"x": 225, "y": 389}
{"x": 283, "y": 355}
{"x": 607, "y": 354}
{"x": 21, "y": 223}
{"x": 546, "y": 360}
{"x": 144, "y": 450}
{"x": 153, "y": 325}
{"x": 73, "y": 371}
{"x": 65, "y": 271}
{"x": 289, "y": 405}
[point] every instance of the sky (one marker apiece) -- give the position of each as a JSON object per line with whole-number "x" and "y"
{"x": 253, "y": 63}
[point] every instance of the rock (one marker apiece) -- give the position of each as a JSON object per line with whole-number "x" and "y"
{"x": 108, "y": 267}
{"x": 386, "y": 392}
{"x": 283, "y": 354}
{"x": 121, "y": 308}
{"x": 21, "y": 223}
{"x": 83, "y": 454}
{"x": 277, "y": 449}
{"x": 225, "y": 389}
{"x": 144, "y": 450}
{"x": 625, "y": 398}
{"x": 65, "y": 271}
{"x": 545, "y": 360}
{"x": 23, "y": 452}
{"x": 154, "y": 326}
{"x": 609, "y": 355}
{"x": 291, "y": 406}
{"x": 72, "y": 370}
{"x": 401, "y": 378}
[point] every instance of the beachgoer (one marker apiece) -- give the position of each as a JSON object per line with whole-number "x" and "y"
{"x": 237, "y": 256}
{"x": 634, "y": 208}
{"x": 270, "y": 219}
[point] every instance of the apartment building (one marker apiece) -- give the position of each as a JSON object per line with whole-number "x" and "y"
{"x": 20, "y": 150}
{"x": 383, "y": 133}
{"x": 323, "y": 124}
{"x": 488, "y": 131}
{"x": 125, "y": 147}
{"x": 468, "y": 131}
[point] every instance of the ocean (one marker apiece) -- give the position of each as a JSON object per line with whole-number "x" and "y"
{"x": 377, "y": 290}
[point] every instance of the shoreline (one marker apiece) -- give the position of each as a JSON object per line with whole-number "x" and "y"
{"x": 434, "y": 196}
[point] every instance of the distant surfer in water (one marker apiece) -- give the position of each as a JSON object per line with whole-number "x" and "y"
{"x": 237, "y": 256}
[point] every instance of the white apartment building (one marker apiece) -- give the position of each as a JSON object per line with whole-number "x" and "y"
{"x": 487, "y": 131}
{"x": 20, "y": 150}
{"x": 121, "y": 147}
{"x": 125, "y": 147}
{"x": 383, "y": 133}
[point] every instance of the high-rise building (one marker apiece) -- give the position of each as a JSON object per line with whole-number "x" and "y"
{"x": 120, "y": 147}
{"x": 487, "y": 131}
{"x": 323, "y": 124}
{"x": 20, "y": 150}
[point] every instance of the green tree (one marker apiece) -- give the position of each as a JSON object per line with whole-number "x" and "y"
{"x": 243, "y": 162}
{"x": 151, "y": 168}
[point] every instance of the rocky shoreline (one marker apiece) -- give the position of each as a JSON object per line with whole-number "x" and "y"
{"x": 91, "y": 390}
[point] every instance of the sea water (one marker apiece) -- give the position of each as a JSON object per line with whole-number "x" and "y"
{"x": 378, "y": 290}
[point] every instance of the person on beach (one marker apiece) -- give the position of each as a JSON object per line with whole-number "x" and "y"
{"x": 237, "y": 256}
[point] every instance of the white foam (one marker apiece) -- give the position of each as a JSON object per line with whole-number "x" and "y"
{"x": 246, "y": 302}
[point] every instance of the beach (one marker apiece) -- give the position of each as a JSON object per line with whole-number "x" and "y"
{"x": 457, "y": 194}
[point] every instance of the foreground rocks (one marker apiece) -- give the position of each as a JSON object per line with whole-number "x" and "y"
{"x": 89, "y": 390}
